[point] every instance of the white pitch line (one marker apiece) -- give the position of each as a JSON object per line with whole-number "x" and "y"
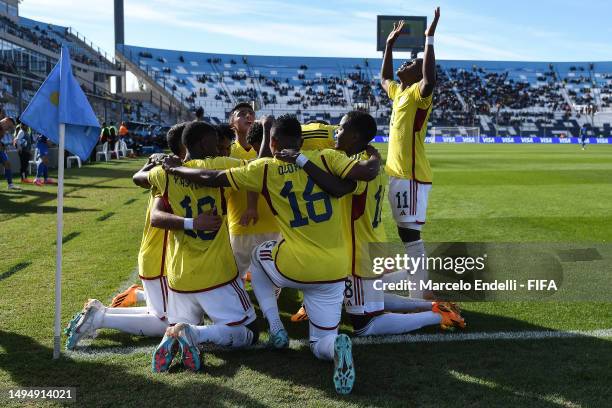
{"x": 87, "y": 352}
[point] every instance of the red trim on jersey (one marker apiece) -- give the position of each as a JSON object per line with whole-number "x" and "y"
{"x": 358, "y": 205}
{"x": 265, "y": 192}
{"x": 325, "y": 164}
{"x": 417, "y": 125}
{"x": 223, "y": 201}
{"x": 207, "y": 289}
{"x": 229, "y": 171}
{"x": 295, "y": 280}
{"x": 167, "y": 207}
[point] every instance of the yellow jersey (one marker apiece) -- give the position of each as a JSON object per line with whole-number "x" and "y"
{"x": 197, "y": 260}
{"x": 366, "y": 226}
{"x": 406, "y": 157}
{"x": 152, "y": 247}
{"x": 313, "y": 249}
{"x": 237, "y": 203}
{"x": 318, "y": 136}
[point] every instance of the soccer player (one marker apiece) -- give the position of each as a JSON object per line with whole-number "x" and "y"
{"x": 311, "y": 256}
{"x": 202, "y": 274}
{"x": 410, "y": 175}
{"x": 318, "y": 135}
{"x": 363, "y": 302}
{"x": 583, "y": 135}
{"x": 248, "y": 228}
{"x": 150, "y": 320}
{"x": 42, "y": 161}
{"x": 23, "y": 142}
{"x": 6, "y": 126}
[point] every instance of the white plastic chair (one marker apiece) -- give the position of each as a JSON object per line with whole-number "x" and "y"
{"x": 118, "y": 150}
{"x": 104, "y": 152}
{"x": 125, "y": 150}
{"x": 70, "y": 159}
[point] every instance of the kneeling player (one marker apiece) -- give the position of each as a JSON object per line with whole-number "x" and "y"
{"x": 150, "y": 320}
{"x": 311, "y": 256}
{"x": 364, "y": 304}
{"x": 202, "y": 274}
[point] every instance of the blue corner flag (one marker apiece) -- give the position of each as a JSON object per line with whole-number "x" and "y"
{"x": 60, "y": 99}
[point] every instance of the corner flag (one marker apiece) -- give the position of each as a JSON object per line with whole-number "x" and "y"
{"x": 60, "y": 111}
{"x": 60, "y": 99}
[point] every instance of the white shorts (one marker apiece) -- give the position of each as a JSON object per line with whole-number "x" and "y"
{"x": 228, "y": 304}
{"x": 156, "y": 293}
{"x": 408, "y": 200}
{"x": 243, "y": 245}
{"x": 322, "y": 301}
{"x": 361, "y": 298}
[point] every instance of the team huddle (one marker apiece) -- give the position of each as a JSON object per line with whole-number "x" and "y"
{"x": 284, "y": 205}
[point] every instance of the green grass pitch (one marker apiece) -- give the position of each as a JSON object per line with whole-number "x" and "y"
{"x": 507, "y": 193}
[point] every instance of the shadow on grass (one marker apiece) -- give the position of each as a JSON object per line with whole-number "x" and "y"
{"x": 28, "y": 363}
{"x": 540, "y": 373}
{"x": 14, "y": 269}
{"x": 546, "y": 373}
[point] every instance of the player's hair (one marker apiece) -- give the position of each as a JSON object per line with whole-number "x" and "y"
{"x": 225, "y": 131}
{"x": 195, "y": 131}
{"x": 174, "y": 137}
{"x": 322, "y": 122}
{"x": 287, "y": 129}
{"x": 12, "y": 119}
{"x": 255, "y": 135}
{"x": 363, "y": 124}
{"x": 239, "y": 106}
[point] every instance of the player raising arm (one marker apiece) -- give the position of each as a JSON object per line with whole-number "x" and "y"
{"x": 408, "y": 70}
{"x": 409, "y": 171}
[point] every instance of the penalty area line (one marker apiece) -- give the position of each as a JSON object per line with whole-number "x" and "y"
{"x": 85, "y": 351}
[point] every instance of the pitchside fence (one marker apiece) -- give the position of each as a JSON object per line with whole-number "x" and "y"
{"x": 461, "y": 134}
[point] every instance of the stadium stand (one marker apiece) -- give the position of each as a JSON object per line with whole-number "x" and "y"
{"x": 500, "y": 97}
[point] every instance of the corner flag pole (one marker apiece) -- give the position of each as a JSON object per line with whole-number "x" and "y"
{"x": 58, "y": 245}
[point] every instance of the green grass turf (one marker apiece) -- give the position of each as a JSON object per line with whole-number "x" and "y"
{"x": 481, "y": 193}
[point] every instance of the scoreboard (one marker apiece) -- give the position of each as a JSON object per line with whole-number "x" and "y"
{"x": 412, "y": 37}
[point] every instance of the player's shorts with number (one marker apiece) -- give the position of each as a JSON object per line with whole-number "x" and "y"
{"x": 361, "y": 298}
{"x": 408, "y": 200}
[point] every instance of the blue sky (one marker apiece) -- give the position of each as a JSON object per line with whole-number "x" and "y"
{"x": 562, "y": 30}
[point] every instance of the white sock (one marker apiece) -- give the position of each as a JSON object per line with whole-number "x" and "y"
{"x": 222, "y": 335}
{"x": 139, "y": 324}
{"x": 323, "y": 348}
{"x": 397, "y": 303}
{"x": 141, "y": 296}
{"x": 397, "y": 323}
{"x": 127, "y": 310}
{"x": 416, "y": 250}
{"x": 265, "y": 293}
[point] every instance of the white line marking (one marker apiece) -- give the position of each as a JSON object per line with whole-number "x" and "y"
{"x": 87, "y": 352}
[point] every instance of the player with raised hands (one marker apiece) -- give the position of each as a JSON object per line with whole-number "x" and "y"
{"x": 410, "y": 175}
